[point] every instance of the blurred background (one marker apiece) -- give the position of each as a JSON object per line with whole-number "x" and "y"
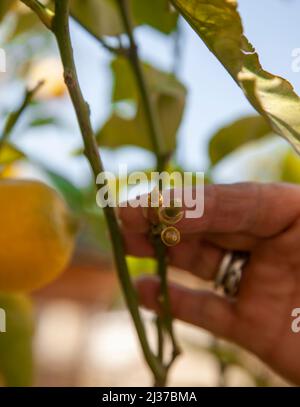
{"x": 83, "y": 334}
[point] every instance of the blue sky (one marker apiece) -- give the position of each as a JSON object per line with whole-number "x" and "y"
{"x": 214, "y": 99}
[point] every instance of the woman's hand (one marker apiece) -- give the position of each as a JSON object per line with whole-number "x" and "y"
{"x": 263, "y": 219}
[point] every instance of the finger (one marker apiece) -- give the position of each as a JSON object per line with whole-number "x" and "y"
{"x": 198, "y": 257}
{"x": 138, "y": 245}
{"x": 233, "y": 241}
{"x": 200, "y": 308}
{"x": 263, "y": 210}
{"x": 133, "y": 219}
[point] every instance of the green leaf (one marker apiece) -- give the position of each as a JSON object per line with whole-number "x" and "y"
{"x": 219, "y": 25}
{"x": 139, "y": 267}
{"x": 16, "y": 361}
{"x": 5, "y": 5}
{"x": 26, "y": 22}
{"x": 118, "y": 131}
{"x": 235, "y": 135}
{"x": 101, "y": 17}
{"x": 225, "y": 355}
{"x": 156, "y": 13}
{"x": 9, "y": 154}
{"x": 168, "y": 96}
{"x": 70, "y": 192}
{"x": 124, "y": 86}
{"x": 290, "y": 168}
{"x": 44, "y": 121}
{"x": 159, "y": 82}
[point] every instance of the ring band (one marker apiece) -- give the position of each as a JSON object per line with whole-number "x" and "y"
{"x": 230, "y": 272}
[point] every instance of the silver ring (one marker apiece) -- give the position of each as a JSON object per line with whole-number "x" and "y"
{"x": 230, "y": 272}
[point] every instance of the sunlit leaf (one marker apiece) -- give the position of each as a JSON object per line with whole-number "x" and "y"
{"x": 235, "y": 135}
{"x": 156, "y": 13}
{"x": 9, "y": 154}
{"x": 159, "y": 82}
{"x": 95, "y": 231}
{"x": 70, "y": 192}
{"x": 290, "y": 168}
{"x": 44, "y": 121}
{"x": 5, "y": 5}
{"x": 168, "y": 96}
{"x": 119, "y": 131}
{"x": 225, "y": 355}
{"x": 139, "y": 267}
{"x": 101, "y": 17}
{"x": 26, "y": 22}
{"x": 219, "y": 25}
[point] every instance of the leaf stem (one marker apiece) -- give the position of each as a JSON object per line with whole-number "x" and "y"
{"x": 161, "y": 158}
{"x": 14, "y": 117}
{"x": 150, "y": 112}
{"x": 114, "y": 50}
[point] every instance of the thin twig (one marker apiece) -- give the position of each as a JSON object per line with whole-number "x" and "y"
{"x": 160, "y": 342}
{"x": 114, "y": 50}
{"x": 162, "y": 158}
{"x": 177, "y": 35}
{"x": 14, "y": 117}
{"x": 61, "y": 30}
{"x": 165, "y": 297}
{"x": 157, "y": 138}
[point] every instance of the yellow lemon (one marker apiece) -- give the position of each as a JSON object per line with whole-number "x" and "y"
{"x": 36, "y": 235}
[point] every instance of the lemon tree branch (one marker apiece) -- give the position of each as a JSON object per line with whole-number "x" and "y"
{"x": 60, "y": 27}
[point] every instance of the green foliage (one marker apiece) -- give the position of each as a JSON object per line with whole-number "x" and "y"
{"x": 228, "y": 139}
{"x": 99, "y": 16}
{"x": 224, "y": 354}
{"x": 9, "y": 154}
{"x": 83, "y": 204}
{"x": 156, "y": 13}
{"x": 141, "y": 266}
{"x": 26, "y": 22}
{"x": 70, "y": 192}
{"x": 5, "y": 5}
{"x": 16, "y": 343}
{"x": 219, "y": 25}
{"x": 168, "y": 95}
{"x": 290, "y": 168}
{"x": 44, "y": 121}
